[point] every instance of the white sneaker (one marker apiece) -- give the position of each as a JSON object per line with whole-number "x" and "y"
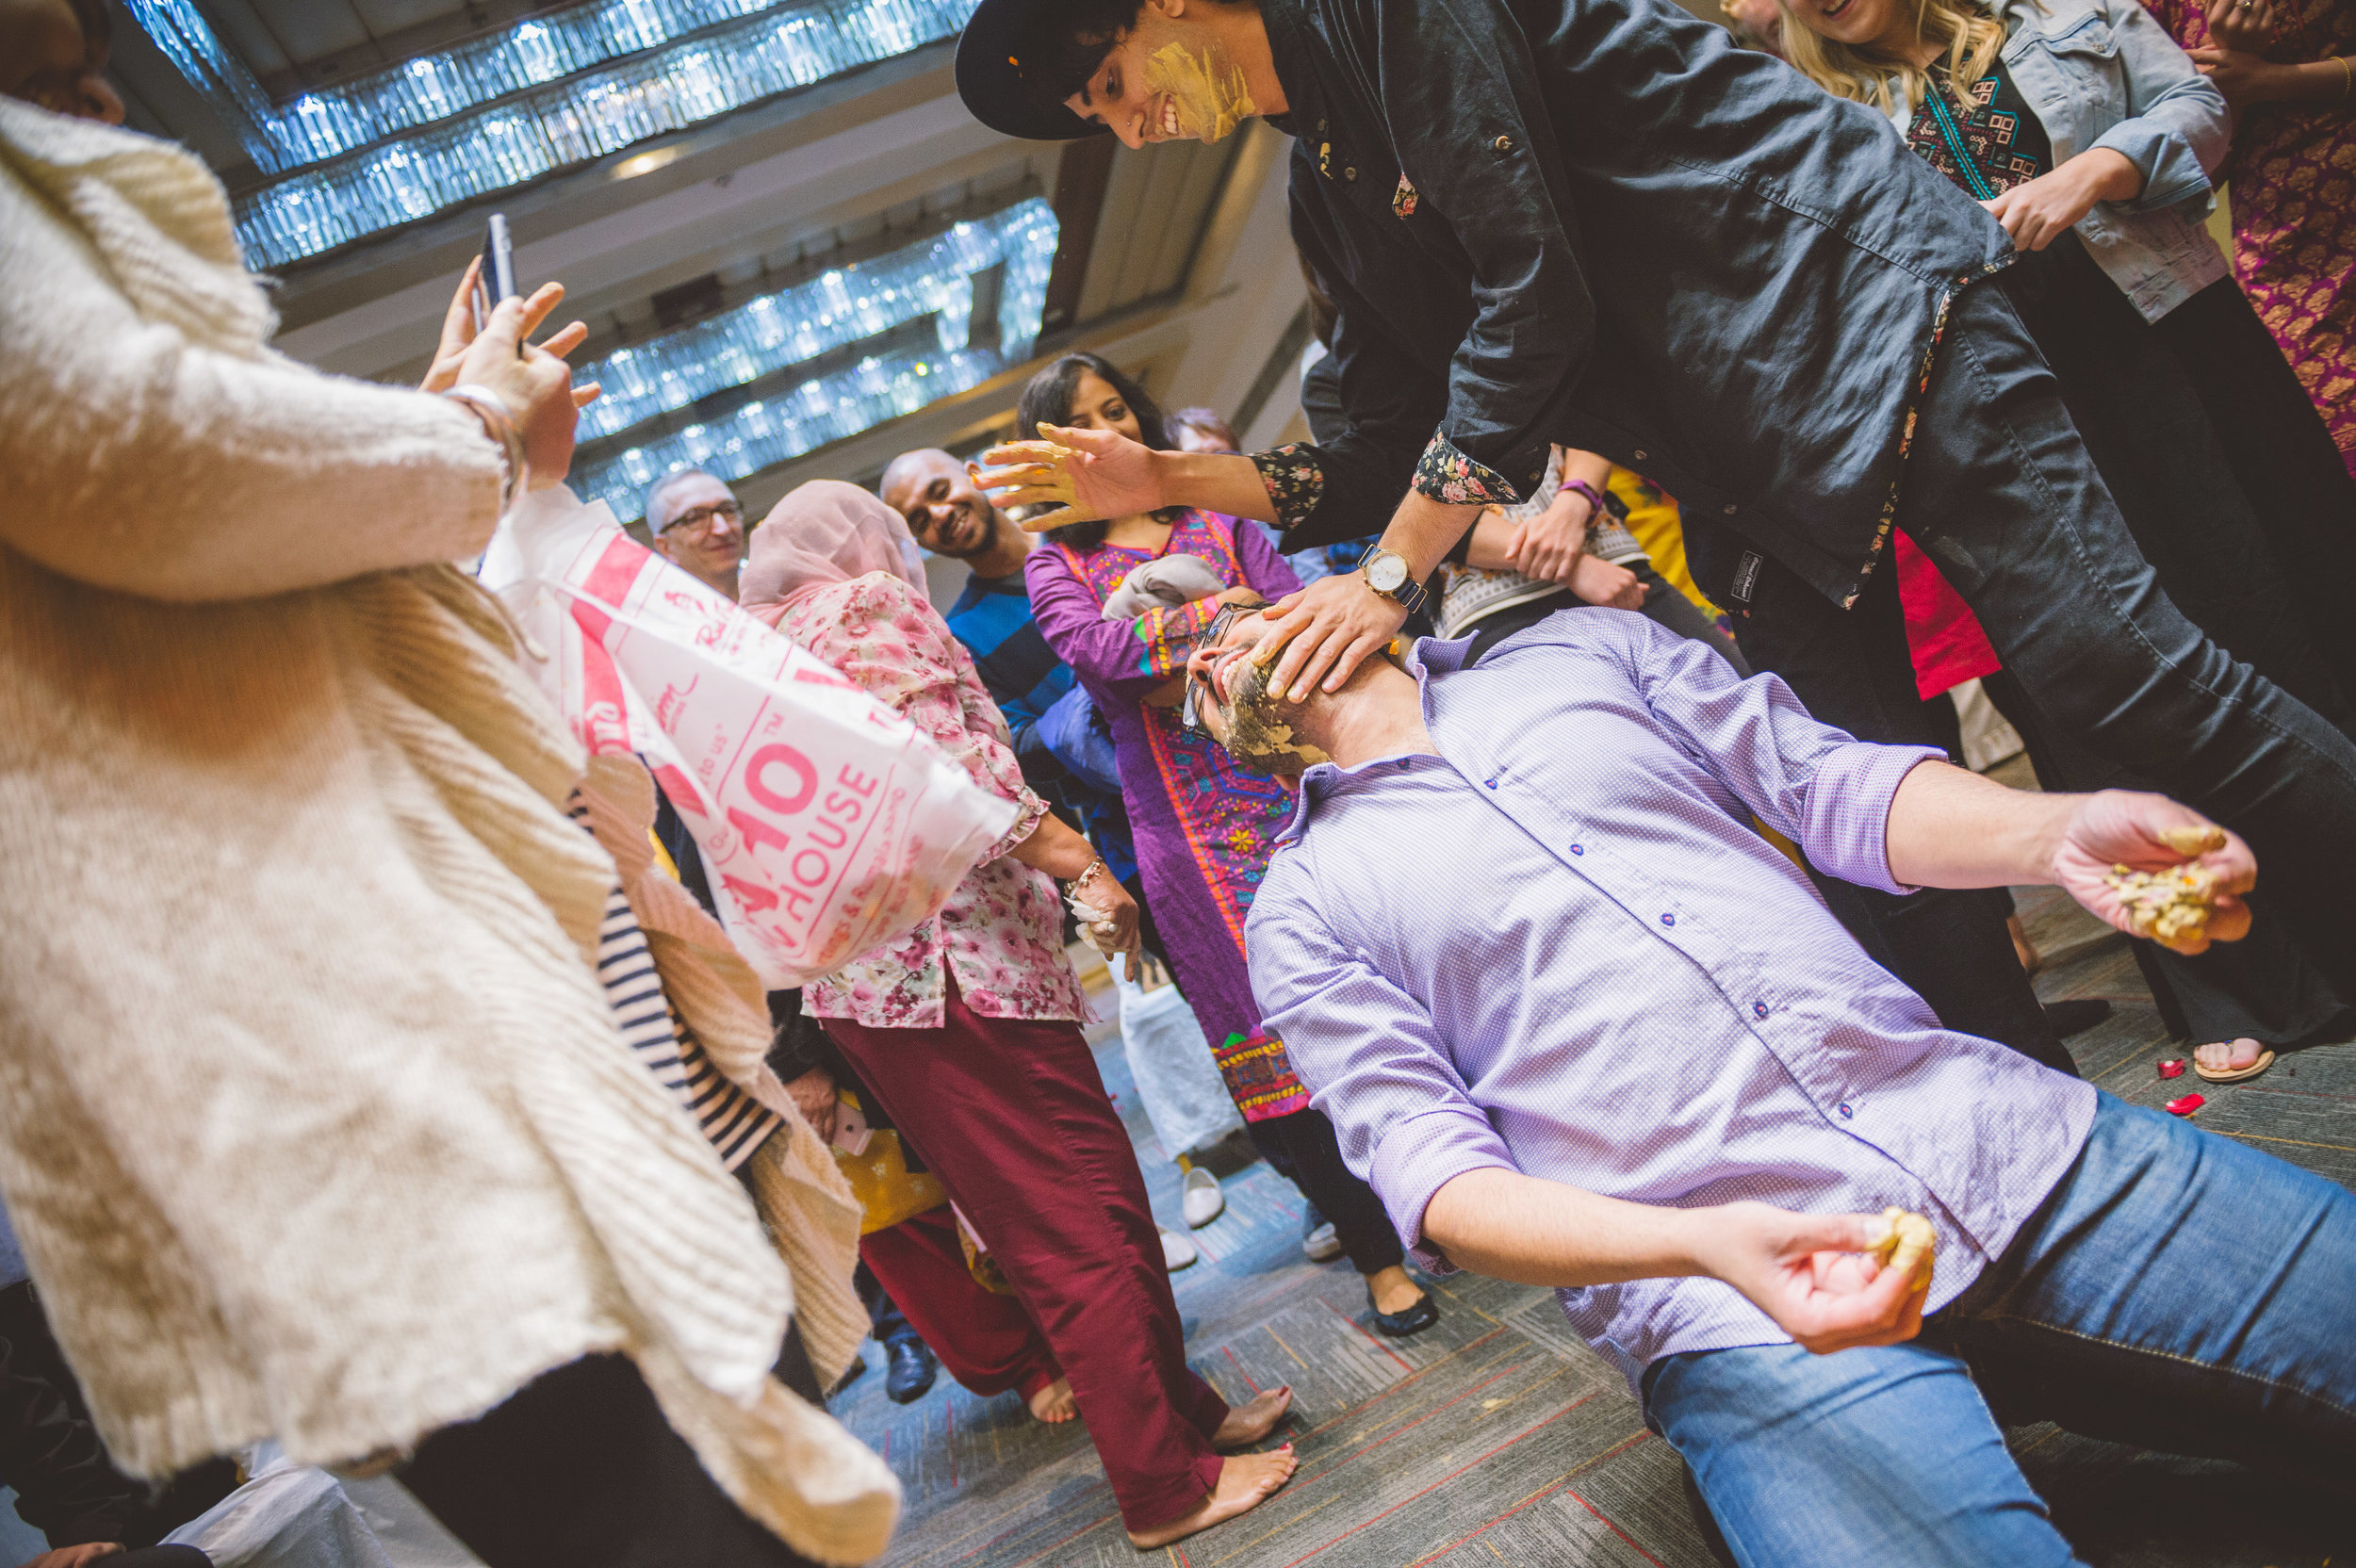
{"x": 1177, "y": 1251}
{"x": 1203, "y": 1202}
{"x": 1322, "y": 1244}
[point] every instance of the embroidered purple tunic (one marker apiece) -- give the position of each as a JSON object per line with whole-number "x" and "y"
{"x": 1204, "y": 827}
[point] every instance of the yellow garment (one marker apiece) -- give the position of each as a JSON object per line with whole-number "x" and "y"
{"x": 1652, "y": 516}
{"x": 889, "y": 1192}
{"x": 663, "y": 856}
{"x": 886, "y": 1190}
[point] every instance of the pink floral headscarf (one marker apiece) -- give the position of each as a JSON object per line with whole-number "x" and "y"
{"x": 823, "y": 534}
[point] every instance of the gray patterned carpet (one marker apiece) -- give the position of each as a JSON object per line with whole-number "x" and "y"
{"x": 1498, "y": 1438}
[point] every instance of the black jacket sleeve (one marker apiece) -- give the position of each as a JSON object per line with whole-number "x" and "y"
{"x": 1364, "y": 459}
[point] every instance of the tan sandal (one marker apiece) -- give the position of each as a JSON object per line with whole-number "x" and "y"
{"x": 2234, "y": 1075}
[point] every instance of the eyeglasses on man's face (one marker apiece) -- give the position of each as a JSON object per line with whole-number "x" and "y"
{"x": 1212, "y": 636}
{"x": 700, "y": 519}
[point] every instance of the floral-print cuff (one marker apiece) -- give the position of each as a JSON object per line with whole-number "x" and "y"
{"x": 1029, "y": 807}
{"x": 1446, "y": 474}
{"x": 1295, "y": 479}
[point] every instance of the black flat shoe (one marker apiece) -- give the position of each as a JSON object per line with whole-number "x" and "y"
{"x": 2076, "y": 1018}
{"x": 912, "y": 1369}
{"x": 1415, "y": 1320}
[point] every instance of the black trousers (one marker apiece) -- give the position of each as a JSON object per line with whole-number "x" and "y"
{"x": 2002, "y": 492}
{"x": 2261, "y": 987}
{"x": 1302, "y": 1149}
{"x": 2005, "y": 495}
{"x": 579, "y": 1469}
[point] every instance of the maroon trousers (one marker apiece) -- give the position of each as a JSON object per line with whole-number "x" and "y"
{"x": 1014, "y": 1118}
{"x": 987, "y": 1341}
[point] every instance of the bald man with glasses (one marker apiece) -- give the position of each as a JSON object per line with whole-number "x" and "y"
{"x": 697, "y": 526}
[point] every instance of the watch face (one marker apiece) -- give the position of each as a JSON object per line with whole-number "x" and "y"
{"x": 1385, "y": 573}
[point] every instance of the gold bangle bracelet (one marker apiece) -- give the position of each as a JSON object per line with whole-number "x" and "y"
{"x": 2347, "y": 77}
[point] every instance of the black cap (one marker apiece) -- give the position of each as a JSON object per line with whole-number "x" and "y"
{"x": 989, "y": 76}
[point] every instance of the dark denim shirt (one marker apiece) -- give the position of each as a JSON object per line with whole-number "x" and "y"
{"x": 1600, "y": 222}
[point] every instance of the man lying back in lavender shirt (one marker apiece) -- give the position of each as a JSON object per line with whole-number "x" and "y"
{"x": 1578, "y": 1024}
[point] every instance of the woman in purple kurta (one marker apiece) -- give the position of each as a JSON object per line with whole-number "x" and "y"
{"x": 1205, "y": 826}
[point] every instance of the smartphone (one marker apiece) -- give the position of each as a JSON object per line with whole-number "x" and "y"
{"x": 498, "y": 280}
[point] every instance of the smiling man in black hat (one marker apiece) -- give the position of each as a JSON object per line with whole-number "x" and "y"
{"x": 1600, "y": 223}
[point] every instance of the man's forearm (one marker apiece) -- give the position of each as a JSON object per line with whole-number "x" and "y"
{"x": 1215, "y": 481}
{"x": 1950, "y": 828}
{"x": 1514, "y": 1227}
{"x": 1424, "y": 531}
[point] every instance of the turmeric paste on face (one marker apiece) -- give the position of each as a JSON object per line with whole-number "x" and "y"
{"x": 1207, "y": 87}
{"x": 1257, "y": 733}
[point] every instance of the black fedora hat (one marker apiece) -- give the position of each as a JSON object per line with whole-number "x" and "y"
{"x": 989, "y": 76}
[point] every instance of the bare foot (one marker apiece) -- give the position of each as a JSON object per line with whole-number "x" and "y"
{"x": 1247, "y": 1424}
{"x": 1245, "y": 1481}
{"x": 1393, "y": 1291}
{"x": 1055, "y": 1404}
{"x": 2230, "y": 1056}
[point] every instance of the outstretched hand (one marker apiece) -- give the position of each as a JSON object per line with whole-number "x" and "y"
{"x": 1085, "y": 475}
{"x": 1812, "y": 1275}
{"x": 2123, "y": 827}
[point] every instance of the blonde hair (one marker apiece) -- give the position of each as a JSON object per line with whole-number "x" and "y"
{"x": 1969, "y": 35}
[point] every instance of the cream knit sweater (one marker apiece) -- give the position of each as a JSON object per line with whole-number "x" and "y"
{"x": 313, "y": 1121}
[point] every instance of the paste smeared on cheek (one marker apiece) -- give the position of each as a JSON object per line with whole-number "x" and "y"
{"x": 1257, "y": 732}
{"x": 1208, "y": 87}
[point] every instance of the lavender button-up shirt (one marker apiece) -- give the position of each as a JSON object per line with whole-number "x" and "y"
{"x": 1560, "y": 947}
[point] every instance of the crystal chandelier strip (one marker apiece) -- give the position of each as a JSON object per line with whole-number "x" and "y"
{"x": 838, "y": 308}
{"x": 773, "y": 431}
{"x": 447, "y": 128}
{"x": 835, "y": 309}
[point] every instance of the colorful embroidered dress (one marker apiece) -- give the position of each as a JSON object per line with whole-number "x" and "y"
{"x": 2291, "y": 186}
{"x": 1204, "y": 827}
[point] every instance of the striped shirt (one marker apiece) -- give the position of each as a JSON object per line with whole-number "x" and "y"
{"x": 734, "y": 1121}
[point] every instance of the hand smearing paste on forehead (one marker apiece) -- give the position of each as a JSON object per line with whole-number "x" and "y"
{"x": 1258, "y": 735}
{"x": 1206, "y": 85}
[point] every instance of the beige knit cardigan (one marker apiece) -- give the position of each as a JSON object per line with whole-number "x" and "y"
{"x": 313, "y": 1119}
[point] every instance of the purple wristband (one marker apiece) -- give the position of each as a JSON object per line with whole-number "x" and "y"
{"x": 1594, "y": 496}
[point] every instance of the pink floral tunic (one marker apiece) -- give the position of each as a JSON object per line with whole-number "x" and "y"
{"x": 1001, "y": 933}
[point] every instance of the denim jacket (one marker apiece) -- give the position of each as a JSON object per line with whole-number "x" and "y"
{"x": 1599, "y": 223}
{"x": 2103, "y": 73}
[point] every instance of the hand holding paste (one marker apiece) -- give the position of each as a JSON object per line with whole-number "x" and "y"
{"x": 1908, "y": 1245}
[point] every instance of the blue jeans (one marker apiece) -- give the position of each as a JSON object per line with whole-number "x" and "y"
{"x": 2176, "y": 1291}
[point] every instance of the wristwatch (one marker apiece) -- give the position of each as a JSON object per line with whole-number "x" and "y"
{"x": 1387, "y": 573}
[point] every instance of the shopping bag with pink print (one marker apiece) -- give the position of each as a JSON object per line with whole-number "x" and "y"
{"x": 828, "y": 825}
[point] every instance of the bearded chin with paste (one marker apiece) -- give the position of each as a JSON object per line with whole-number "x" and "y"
{"x": 1207, "y": 86}
{"x": 1260, "y": 725}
